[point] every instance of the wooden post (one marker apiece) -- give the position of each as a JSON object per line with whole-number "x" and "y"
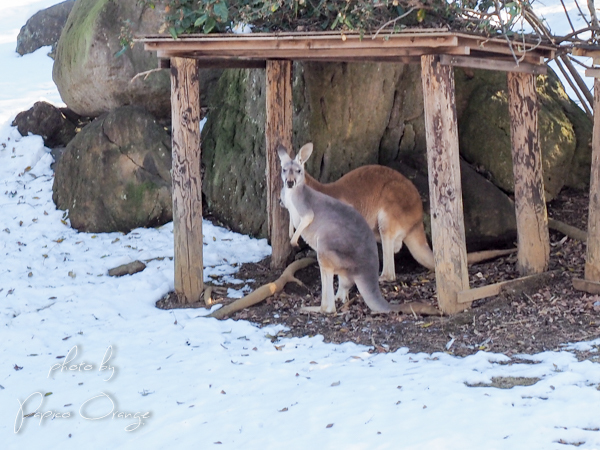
{"x": 278, "y": 131}
{"x": 187, "y": 180}
{"x": 447, "y": 221}
{"x": 592, "y": 263}
{"x": 530, "y": 203}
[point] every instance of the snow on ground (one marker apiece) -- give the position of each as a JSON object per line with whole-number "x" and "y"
{"x": 99, "y": 366}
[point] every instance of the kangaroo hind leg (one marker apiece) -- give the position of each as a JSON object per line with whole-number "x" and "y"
{"x": 344, "y": 286}
{"x": 327, "y": 297}
{"x": 391, "y": 243}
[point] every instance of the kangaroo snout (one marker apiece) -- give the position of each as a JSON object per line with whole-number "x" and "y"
{"x": 290, "y": 184}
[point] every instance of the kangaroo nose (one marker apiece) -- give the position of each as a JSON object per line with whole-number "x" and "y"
{"x": 290, "y": 184}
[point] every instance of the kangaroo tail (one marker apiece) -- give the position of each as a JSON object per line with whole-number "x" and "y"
{"x": 368, "y": 286}
{"x": 416, "y": 241}
{"x": 417, "y": 244}
{"x": 421, "y": 308}
{"x": 474, "y": 258}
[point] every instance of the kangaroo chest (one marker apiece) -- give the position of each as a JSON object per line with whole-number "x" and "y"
{"x": 286, "y": 198}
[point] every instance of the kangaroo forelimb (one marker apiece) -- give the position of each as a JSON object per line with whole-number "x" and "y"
{"x": 306, "y": 221}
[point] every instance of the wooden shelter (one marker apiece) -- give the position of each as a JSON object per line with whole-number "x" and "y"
{"x": 438, "y": 51}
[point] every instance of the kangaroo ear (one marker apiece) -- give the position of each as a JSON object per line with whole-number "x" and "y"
{"x": 304, "y": 153}
{"x": 283, "y": 154}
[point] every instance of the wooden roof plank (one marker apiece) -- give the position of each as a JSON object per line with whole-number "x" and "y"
{"x": 490, "y": 64}
{"x": 312, "y": 44}
{"x": 594, "y": 73}
{"x": 339, "y": 37}
{"x": 338, "y": 46}
{"x": 313, "y": 54}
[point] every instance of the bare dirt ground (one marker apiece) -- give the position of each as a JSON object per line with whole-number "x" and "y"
{"x": 532, "y": 322}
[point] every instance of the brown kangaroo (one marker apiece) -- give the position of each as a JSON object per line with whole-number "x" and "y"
{"x": 392, "y": 207}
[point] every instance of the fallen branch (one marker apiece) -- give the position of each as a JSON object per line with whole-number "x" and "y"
{"x": 209, "y": 291}
{"x": 145, "y": 74}
{"x": 567, "y": 230}
{"x": 127, "y": 269}
{"x": 577, "y": 78}
{"x": 579, "y": 94}
{"x": 266, "y": 290}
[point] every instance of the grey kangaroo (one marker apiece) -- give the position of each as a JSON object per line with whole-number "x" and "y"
{"x": 343, "y": 240}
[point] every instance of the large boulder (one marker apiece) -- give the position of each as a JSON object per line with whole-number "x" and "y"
{"x": 485, "y": 130}
{"x": 95, "y": 63}
{"x": 490, "y": 220}
{"x": 44, "y": 28}
{"x": 47, "y": 121}
{"x": 92, "y": 76}
{"x": 115, "y": 174}
{"x": 350, "y": 107}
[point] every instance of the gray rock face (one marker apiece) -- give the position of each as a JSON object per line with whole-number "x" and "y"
{"x": 47, "y": 121}
{"x": 115, "y": 174}
{"x": 91, "y": 76}
{"x": 233, "y": 152}
{"x": 44, "y": 28}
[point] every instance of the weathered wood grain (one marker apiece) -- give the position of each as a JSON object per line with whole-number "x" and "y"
{"x": 278, "y": 131}
{"x": 530, "y": 203}
{"x": 447, "y": 222}
{"x": 592, "y": 265}
{"x": 187, "y": 180}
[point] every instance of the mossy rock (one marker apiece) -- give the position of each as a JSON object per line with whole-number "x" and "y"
{"x": 115, "y": 174}
{"x": 485, "y": 131}
{"x": 92, "y": 71}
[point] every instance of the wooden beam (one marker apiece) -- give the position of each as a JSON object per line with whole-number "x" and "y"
{"x": 187, "y": 180}
{"x": 589, "y": 286}
{"x": 262, "y": 44}
{"x": 346, "y": 40}
{"x": 323, "y": 54}
{"x": 214, "y": 62}
{"x": 518, "y": 285}
{"x": 530, "y": 204}
{"x": 586, "y": 53}
{"x": 595, "y": 73}
{"x": 231, "y": 64}
{"x": 492, "y": 64}
{"x": 592, "y": 264}
{"x": 505, "y": 47}
{"x": 278, "y": 131}
{"x": 447, "y": 220}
